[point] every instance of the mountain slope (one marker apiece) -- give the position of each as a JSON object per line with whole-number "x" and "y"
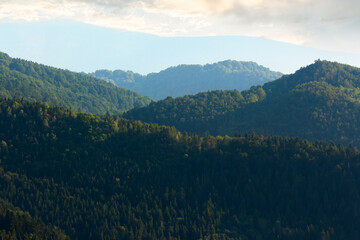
{"x": 24, "y": 79}
{"x": 191, "y": 79}
{"x": 109, "y": 178}
{"x": 333, "y": 73}
{"x": 315, "y": 111}
{"x": 193, "y": 113}
{"x": 319, "y": 102}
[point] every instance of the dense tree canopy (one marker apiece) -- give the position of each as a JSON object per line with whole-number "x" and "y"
{"x": 111, "y": 178}
{"x": 194, "y": 113}
{"x": 32, "y": 81}
{"x": 16, "y": 224}
{"x": 318, "y": 102}
{"x": 191, "y": 79}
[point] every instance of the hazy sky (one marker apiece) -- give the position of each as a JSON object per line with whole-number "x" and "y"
{"x": 331, "y": 25}
{"x": 150, "y": 35}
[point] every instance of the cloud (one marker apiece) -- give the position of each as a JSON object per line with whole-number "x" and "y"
{"x": 324, "y": 24}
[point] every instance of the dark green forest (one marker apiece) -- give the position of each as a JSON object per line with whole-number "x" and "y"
{"x": 194, "y": 113}
{"x": 110, "y": 178}
{"x": 318, "y": 102}
{"x": 191, "y": 79}
{"x": 16, "y": 224}
{"x": 32, "y": 81}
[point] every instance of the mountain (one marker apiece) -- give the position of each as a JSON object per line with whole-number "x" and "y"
{"x": 32, "y": 81}
{"x": 191, "y": 79}
{"x": 318, "y": 102}
{"x": 110, "y": 178}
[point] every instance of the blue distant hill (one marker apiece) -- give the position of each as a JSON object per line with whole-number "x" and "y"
{"x": 191, "y": 79}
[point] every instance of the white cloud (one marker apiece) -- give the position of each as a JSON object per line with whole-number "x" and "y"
{"x": 324, "y": 24}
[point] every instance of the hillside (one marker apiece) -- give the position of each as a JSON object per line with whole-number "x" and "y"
{"x": 318, "y": 102}
{"x": 191, "y": 79}
{"x": 194, "y": 113}
{"x": 110, "y": 178}
{"x": 32, "y": 81}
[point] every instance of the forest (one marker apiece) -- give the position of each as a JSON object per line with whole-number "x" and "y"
{"x": 194, "y": 113}
{"x": 32, "y": 81}
{"x": 16, "y": 224}
{"x": 87, "y": 176}
{"x": 191, "y": 79}
{"x": 318, "y": 102}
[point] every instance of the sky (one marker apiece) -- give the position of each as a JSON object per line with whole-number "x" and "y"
{"x": 320, "y": 28}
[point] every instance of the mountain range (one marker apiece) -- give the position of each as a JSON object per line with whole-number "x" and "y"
{"x": 191, "y": 79}
{"x": 66, "y": 174}
{"x": 318, "y": 102}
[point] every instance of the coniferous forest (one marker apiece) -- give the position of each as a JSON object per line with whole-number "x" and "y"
{"x": 15, "y": 224}
{"x": 96, "y": 177}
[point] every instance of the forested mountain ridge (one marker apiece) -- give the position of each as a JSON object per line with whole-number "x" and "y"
{"x": 191, "y": 79}
{"x": 193, "y": 113}
{"x": 333, "y": 73}
{"x": 318, "y": 102}
{"x": 32, "y": 81}
{"x": 110, "y": 178}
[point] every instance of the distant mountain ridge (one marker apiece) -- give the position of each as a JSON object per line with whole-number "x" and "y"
{"x": 24, "y": 79}
{"x": 191, "y": 79}
{"x": 318, "y": 102}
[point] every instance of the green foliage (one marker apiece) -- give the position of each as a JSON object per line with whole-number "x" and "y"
{"x": 191, "y": 79}
{"x": 335, "y": 74}
{"x": 194, "y": 113}
{"x": 314, "y": 110}
{"x": 319, "y": 102}
{"x": 110, "y": 178}
{"x": 32, "y": 81}
{"x": 15, "y": 224}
